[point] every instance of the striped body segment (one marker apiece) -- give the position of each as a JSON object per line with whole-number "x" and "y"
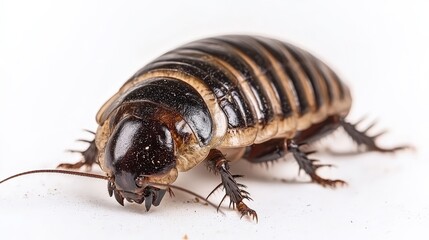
{"x": 236, "y": 91}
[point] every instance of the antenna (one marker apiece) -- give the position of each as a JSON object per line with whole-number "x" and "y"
{"x": 92, "y": 175}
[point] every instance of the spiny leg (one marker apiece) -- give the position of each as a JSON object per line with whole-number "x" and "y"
{"x": 361, "y": 138}
{"x": 217, "y": 163}
{"x": 276, "y": 148}
{"x": 89, "y": 156}
{"x": 310, "y": 166}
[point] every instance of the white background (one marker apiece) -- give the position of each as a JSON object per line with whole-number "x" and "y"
{"x": 60, "y": 61}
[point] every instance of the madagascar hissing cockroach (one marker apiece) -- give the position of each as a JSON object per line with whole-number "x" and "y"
{"x": 218, "y": 99}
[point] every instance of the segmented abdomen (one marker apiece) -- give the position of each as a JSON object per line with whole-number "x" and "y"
{"x": 255, "y": 88}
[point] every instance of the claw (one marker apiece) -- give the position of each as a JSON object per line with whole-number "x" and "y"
{"x": 246, "y": 211}
{"x": 327, "y": 182}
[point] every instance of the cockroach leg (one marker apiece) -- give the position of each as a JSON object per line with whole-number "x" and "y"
{"x": 274, "y": 149}
{"x": 361, "y": 138}
{"x": 217, "y": 163}
{"x": 89, "y": 157}
{"x": 310, "y": 166}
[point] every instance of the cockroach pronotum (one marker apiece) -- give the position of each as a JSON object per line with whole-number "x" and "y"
{"x": 217, "y": 100}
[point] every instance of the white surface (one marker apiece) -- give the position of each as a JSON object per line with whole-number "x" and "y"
{"x": 59, "y": 62}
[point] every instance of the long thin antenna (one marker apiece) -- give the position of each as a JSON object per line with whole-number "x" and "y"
{"x": 186, "y": 191}
{"x": 92, "y": 175}
{"x": 82, "y": 174}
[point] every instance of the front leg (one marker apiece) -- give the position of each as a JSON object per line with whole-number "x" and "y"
{"x": 89, "y": 157}
{"x": 217, "y": 163}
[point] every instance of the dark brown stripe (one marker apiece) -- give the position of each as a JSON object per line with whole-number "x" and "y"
{"x": 322, "y": 74}
{"x": 223, "y": 52}
{"x": 274, "y": 49}
{"x": 341, "y": 85}
{"x": 249, "y": 47}
{"x": 304, "y": 65}
{"x": 315, "y": 63}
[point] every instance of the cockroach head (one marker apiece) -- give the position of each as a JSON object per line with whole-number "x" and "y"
{"x": 140, "y": 149}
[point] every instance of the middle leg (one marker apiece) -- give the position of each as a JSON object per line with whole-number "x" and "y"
{"x": 277, "y": 148}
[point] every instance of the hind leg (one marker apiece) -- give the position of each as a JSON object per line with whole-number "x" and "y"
{"x": 367, "y": 142}
{"x": 364, "y": 141}
{"x": 89, "y": 157}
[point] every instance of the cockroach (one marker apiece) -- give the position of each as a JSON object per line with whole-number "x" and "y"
{"x": 218, "y": 100}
